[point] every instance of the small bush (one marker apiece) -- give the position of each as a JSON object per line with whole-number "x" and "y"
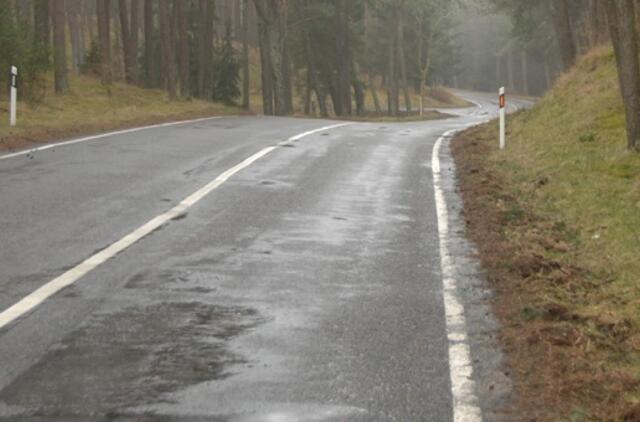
{"x": 588, "y": 138}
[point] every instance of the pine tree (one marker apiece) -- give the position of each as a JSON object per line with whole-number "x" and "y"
{"x": 226, "y": 72}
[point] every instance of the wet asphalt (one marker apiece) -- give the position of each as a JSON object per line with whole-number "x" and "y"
{"x": 306, "y": 288}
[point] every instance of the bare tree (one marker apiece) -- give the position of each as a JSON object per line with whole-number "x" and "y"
{"x": 61, "y": 80}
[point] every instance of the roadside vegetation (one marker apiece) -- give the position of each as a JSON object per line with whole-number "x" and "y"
{"x": 90, "y": 107}
{"x": 91, "y": 65}
{"x": 556, "y": 218}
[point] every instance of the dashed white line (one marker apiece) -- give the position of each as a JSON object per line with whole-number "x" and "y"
{"x": 465, "y": 402}
{"x": 34, "y": 299}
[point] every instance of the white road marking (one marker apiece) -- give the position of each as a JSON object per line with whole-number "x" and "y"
{"x": 71, "y": 276}
{"x": 465, "y": 402}
{"x": 105, "y": 135}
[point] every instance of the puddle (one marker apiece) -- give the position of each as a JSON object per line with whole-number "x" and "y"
{"x": 132, "y": 357}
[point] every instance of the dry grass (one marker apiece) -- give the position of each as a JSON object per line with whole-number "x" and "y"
{"x": 557, "y": 220}
{"x": 92, "y": 107}
{"x": 436, "y": 97}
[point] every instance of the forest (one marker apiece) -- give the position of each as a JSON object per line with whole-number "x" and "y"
{"x": 324, "y": 57}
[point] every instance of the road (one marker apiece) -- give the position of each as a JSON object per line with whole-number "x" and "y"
{"x": 305, "y": 285}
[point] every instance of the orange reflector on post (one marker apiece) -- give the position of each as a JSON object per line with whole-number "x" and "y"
{"x": 503, "y": 101}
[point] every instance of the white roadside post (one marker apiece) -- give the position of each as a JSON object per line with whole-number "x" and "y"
{"x": 13, "y": 95}
{"x": 503, "y": 112}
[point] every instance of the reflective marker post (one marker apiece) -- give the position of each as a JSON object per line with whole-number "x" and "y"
{"x": 13, "y": 87}
{"x": 503, "y": 112}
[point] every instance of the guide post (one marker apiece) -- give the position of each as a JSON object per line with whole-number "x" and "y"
{"x": 13, "y": 102}
{"x": 503, "y": 113}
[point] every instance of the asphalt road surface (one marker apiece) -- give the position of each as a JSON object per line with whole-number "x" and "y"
{"x": 304, "y": 285}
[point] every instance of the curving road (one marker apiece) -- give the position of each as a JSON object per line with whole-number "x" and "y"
{"x": 305, "y": 284}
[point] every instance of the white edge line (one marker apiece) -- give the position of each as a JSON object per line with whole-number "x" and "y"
{"x": 105, "y": 135}
{"x": 465, "y": 401}
{"x": 35, "y": 298}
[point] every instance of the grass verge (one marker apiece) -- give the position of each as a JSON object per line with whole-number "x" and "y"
{"x": 92, "y": 107}
{"x": 556, "y": 219}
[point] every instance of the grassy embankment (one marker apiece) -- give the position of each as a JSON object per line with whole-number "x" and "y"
{"x": 556, "y": 217}
{"x": 91, "y": 108}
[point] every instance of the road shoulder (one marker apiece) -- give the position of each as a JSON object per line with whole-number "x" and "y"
{"x": 557, "y": 358}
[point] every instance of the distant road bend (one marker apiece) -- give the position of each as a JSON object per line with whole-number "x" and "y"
{"x": 238, "y": 269}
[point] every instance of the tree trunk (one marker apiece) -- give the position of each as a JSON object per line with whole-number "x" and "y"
{"x": 273, "y": 21}
{"x": 104, "y": 37}
{"x": 168, "y": 50}
{"x": 135, "y": 37}
{"x": 183, "y": 47}
{"x": 265, "y": 64}
{"x": 392, "y": 77}
{"x": 624, "y": 36}
{"x": 402, "y": 63}
{"x": 525, "y": 73}
{"x": 510, "y": 72}
{"x": 547, "y": 75}
{"x": 343, "y": 58}
{"x": 89, "y": 12}
{"x": 82, "y": 23}
{"x": 149, "y": 69}
{"x": 421, "y": 82}
{"x": 127, "y": 47}
{"x": 598, "y": 22}
{"x": 73, "y": 19}
{"x": 307, "y": 97}
{"x": 564, "y": 33}
{"x": 286, "y": 80}
{"x": 312, "y": 75}
{"x": 61, "y": 81}
{"x": 205, "y": 45}
{"x": 278, "y": 48}
{"x": 358, "y": 89}
{"x": 374, "y": 93}
{"x": 246, "y": 81}
{"x": 367, "y": 55}
{"x": 42, "y": 22}
{"x": 637, "y": 14}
